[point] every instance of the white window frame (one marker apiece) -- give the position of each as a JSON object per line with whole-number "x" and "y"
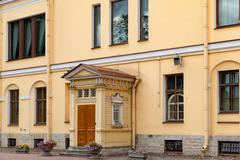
{"x": 119, "y": 105}
{"x": 117, "y": 99}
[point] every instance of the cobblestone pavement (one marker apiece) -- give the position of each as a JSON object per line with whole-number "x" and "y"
{"x": 37, "y": 156}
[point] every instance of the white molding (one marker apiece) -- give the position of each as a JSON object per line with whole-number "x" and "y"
{"x": 6, "y": 1}
{"x": 132, "y": 57}
{"x": 124, "y": 58}
{"x": 32, "y": 2}
{"x": 23, "y": 71}
{"x": 24, "y": 98}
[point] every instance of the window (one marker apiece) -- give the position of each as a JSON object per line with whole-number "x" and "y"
{"x": 119, "y": 22}
{"x": 228, "y": 147}
{"x": 36, "y": 141}
{"x": 11, "y": 142}
{"x": 41, "y": 105}
{"x": 143, "y": 19}
{"x": 173, "y": 145}
{"x": 174, "y": 98}
{"x": 228, "y": 12}
{"x": 229, "y": 91}
{"x": 97, "y": 26}
{"x": 14, "y": 107}
{"x": 26, "y": 37}
{"x": 117, "y": 114}
{"x": 87, "y": 93}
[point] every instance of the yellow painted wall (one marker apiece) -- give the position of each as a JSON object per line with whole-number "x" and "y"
{"x": 173, "y": 23}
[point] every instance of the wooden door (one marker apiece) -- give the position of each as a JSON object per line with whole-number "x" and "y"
{"x": 86, "y": 124}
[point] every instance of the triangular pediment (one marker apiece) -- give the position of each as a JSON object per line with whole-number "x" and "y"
{"x": 84, "y": 73}
{"x": 81, "y": 72}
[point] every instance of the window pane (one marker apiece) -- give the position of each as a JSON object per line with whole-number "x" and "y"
{"x": 144, "y": 19}
{"x": 171, "y": 82}
{"x": 41, "y": 105}
{"x": 119, "y": 21}
{"x": 27, "y": 37}
{"x": 180, "y": 82}
{"x": 14, "y": 40}
{"x": 225, "y": 78}
{"x": 228, "y": 12}
{"x": 236, "y": 77}
{"x": 40, "y": 35}
{"x": 97, "y": 26}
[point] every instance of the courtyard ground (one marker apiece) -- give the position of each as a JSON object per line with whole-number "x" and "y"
{"x": 10, "y": 154}
{"x": 37, "y": 156}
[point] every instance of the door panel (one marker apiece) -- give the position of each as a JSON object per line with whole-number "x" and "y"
{"x": 86, "y": 124}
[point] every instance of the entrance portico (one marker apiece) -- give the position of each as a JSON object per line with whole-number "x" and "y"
{"x": 100, "y": 106}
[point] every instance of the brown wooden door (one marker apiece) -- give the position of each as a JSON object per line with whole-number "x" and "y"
{"x": 86, "y": 124}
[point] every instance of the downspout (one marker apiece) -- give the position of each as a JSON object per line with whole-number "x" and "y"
{"x": 49, "y": 53}
{"x": 206, "y": 77}
{"x": 1, "y": 87}
{"x": 134, "y": 88}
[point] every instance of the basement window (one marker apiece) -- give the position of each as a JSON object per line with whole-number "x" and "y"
{"x": 173, "y": 146}
{"x": 229, "y": 147}
{"x": 11, "y": 142}
{"x": 67, "y": 143}
{"x": 36, "y": 141}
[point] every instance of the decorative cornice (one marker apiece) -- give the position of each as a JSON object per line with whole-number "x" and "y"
{"x": 125, "y": 58}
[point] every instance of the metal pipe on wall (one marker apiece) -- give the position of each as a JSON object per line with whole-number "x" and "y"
{"x": 206, "y": 77}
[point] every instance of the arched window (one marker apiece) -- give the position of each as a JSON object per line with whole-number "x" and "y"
{"x": 174, "y": 98}
{"x": 175, "y": 107}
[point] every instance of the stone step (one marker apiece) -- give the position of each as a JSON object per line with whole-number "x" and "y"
{"x": 76, "y": 151}
{"x": 75, "y": 154}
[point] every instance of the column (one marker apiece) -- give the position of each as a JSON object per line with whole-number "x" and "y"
{"x": 100, "y": 115}
{"x": 72, "y": 118}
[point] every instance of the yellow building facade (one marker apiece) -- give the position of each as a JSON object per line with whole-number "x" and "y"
{"x": 159, "y": 75}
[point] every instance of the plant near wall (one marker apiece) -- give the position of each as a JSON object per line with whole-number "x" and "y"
{"x": 47, "y": 147}
{"x": 94, "y": 149}
{"x": 22, "y": 148}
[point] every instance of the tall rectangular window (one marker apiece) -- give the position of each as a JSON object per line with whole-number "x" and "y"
{"x": 41, "y": 104}
{"x": 174, "y": 98}
{"x": 119, "y": 22}
{"x": 26, "y": 37}
{"x": 143, "y": 19}
{"x": 97, "y": 26}
{"x": 228, "y": 12}
{"x": 229, "y": 91}
{"x": 14, "y": 107}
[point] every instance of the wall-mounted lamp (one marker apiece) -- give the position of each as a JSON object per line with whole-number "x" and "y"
{"x": 177, "y": 60}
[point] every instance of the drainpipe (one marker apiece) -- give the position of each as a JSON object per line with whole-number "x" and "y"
{"x": 134, "y": 112}
{"x": 49, "y": 52}
{"x": 206, "y": 77}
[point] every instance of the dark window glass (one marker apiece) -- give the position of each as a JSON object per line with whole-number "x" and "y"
{"x": 119, "y": 21}
{"x": 14, "y": 40}
{"x": 14, "y": 107}
{"x": 174, "y": 98}
{"x": 40, "y": 24}
{"x": 97, "y": 26}
{"x": 229, "y": 147}
{"x": 41, "y": 111}
{"x": 173, "y": 145}
{"x": 229, "y": 91}
{"x": 228, "y": 12}
{"x": 11, "y": 142}
{"x": 27, "y": 37}
{"x": 36, "y": 141}
{"x": 143, "y": 19}
{"x": 67, "y": 143}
